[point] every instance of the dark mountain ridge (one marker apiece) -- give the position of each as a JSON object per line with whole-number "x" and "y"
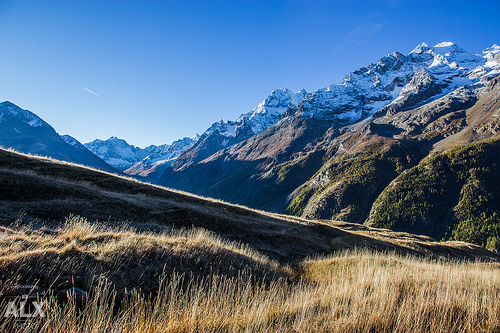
{"x": 24, "y": 131}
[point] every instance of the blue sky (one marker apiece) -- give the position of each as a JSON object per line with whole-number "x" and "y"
{"x": 151, "y": 71}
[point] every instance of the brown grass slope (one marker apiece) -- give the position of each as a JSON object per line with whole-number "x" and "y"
{"x": 353, "y": 291}
{"x": 46, "y": 192}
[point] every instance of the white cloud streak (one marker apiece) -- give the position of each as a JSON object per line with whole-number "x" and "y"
{"x": 93, "y": 93}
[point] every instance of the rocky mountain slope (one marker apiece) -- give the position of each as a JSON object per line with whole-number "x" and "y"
{"x": 224, "y": 134}
{"x": 332, "y": 155}
{"x": 24, "y": 131}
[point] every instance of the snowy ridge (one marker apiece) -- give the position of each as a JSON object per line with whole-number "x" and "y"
{"x": 271, "y": 109}
{"x": 70, "y": 140}
{"x": 160, "y": 158}
{"x": 75, "y": 143}
{"x": 119, "y": 154}
{"x": 264, "y": 115}
{"x": 12, "y": 110}
{"x": 165, "y": 153}
{"x": 365, "y": 91}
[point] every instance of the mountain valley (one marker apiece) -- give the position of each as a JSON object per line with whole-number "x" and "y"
{"x": 332, "y": 154}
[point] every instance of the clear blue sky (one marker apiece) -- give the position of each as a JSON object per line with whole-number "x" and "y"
{"x": 163, "y": 70}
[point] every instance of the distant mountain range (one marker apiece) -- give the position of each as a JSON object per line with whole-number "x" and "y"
{"x": 24, "y": 131}
{"x": 148, "y": 162}
{"x": 335, "y": 152}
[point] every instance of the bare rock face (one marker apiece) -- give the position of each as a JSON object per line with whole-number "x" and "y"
{"x": 421, "y": 88}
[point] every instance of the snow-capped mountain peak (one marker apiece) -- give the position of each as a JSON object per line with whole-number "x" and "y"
{"x": 117, "y": 152}
{"x": 428, "y": 72}
{"x": 421, "y": 48}
{"x": 264, "y": 115}
{"x": 222, "y": 134}
{"x": 448, "y": 48}
{"x": 492, "y": 55}
{"x": 121, "y": 155}
{"x": 270, "y": 110}
{"x": 452, "y": 55}
{"x": 165, "y": 153}
{"x": 160, "y": 158}
{"x": 9, "y": 108}
{"x": 279, "y": 99}
{"x": 490, "y": 52}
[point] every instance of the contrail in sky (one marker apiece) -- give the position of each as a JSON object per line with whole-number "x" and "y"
{"x": 90, "y": 91}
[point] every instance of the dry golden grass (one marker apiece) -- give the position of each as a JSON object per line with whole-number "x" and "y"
{"x": 393, "y": 301}
{"x": 80, "y": 254}
{"x": 353, "y": 291}
{"x": 385, "y": 292}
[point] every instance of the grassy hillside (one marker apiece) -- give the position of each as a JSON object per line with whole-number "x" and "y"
{"x": 146, "y": 258}
{"x": 43, "y": 192}
{"x": 79, "y": 251}
{"x": 354, "y": 291}
{"x": 450, "y": 195}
